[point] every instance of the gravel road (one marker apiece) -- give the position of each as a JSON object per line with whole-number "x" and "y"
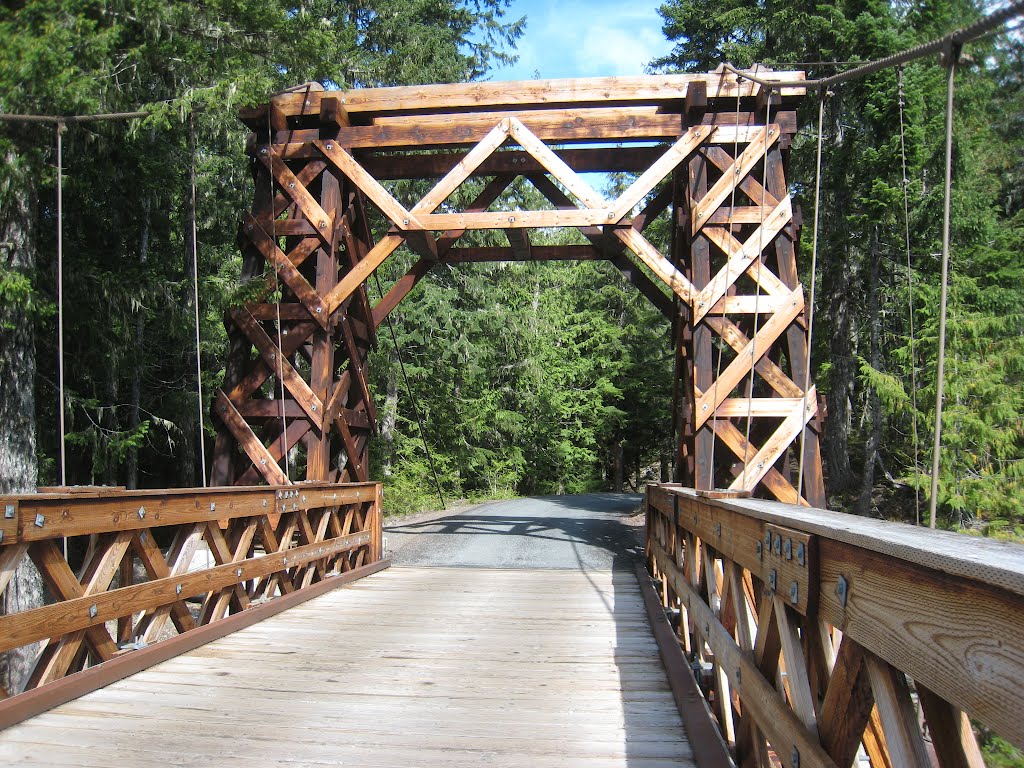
{"x": 596, "y": 531}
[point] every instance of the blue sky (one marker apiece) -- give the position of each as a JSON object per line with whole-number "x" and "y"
{"x": 585, "y": 38}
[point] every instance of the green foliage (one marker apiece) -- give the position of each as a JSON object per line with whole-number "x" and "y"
{"x": 879, "y": 381}
{"x": 127, "y": 280}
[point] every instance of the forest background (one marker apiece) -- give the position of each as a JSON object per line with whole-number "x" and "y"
{"x": 529, "y": 378}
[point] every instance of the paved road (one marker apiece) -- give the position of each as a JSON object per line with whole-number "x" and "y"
{"x": 584, "y": 532}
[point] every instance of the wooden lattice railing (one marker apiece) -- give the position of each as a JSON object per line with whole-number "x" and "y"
{"x": 818, "y": 636}
{"x": 133, "y": 577}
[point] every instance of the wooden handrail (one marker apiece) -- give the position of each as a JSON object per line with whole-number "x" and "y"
{"x": 826, "y": 632}
{"x": 266, "y": 542}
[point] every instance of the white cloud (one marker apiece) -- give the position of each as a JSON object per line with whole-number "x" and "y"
{"x": 586, "y": 39}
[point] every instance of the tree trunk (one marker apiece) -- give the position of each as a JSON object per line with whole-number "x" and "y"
{"x": 17, "y": 397}
{"x": 838, "y": 284}
{"x": 874, "y": 406}
{"x": 134, "y": 417}
{"x": 387, "y": 424}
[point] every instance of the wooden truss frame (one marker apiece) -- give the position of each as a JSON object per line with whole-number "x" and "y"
{"x": 708, "y": 151}
{"x": 266, "y": 543}
{"x": 820, "y": 633}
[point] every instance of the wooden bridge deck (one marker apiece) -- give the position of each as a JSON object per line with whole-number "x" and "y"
{"x": 411, "y": 666}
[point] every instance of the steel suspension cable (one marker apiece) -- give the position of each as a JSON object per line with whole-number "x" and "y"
{"x": 910, "y": 301}
{"x": 757, "y": 284}
{"x": 721, "y": 346}
{"x": 60, "y": 295}
{"x": 944, "y": 291}
{"x": 278, "y": 295}
{"x": 195, "y": 292}
{"x": 814, "y": 283}
{"x": 953, "y": 40}
{"x": 412, "y": 400}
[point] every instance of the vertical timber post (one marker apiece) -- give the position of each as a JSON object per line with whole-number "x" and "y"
{"x": 738, "y": 231}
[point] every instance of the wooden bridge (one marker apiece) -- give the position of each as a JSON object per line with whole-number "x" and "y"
{"x": 204, "y": 626}
{"x": 813, "y": 636}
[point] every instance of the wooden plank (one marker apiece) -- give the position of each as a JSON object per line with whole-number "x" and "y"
{"x": 74, "y": 614}
{"x": 657, "y": 263}
{"x": 464, "y": 168}
{"x": 291, "y": 186}
{"x": 779, "y": 723}
{"x": 558, "y": 700}
{"x": 777, "y": 444}
{"x": 954, "y": 616}
{"x": 556, "y": 166}
{"x": 514, "y": 219}
{"x": 356, "y": 276}
{"x": 899, "y": 718}
{"x": 645, "y": 89}
{"x": 739, "y": 260}
{"x": 34, "y": 702}
{"x": 286, "y": 270}
{"x": 389, "y": 206}
{"x": 950, "y": 731}
{"x": 649, "y": 179}
{"x": 755, "y": 151}
{"x": 246, "y": 438}
{"x": 273, "y": 357}
{"x": 751, "y": 353}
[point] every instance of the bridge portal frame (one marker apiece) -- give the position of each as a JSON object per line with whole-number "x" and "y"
{"x": 709, "y": 149}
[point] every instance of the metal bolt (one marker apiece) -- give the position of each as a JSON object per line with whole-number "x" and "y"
{"x": 768, "y": 539}
{"x": 319, "y": 310}
{"x": 303, "y": 499}
{"x": 801, "y": 553}
{"x": 238, "y": 572}
{"x": 700, "y": 214}
{"x": 284, "y": 561}
{"x": 707, "y": 629}
{"x": 794, "y": 593}
{"x": 142, "y": 513}
{"x": 511, "y": 219}
{"x": 263, "y": 151}
{"x": 842, "y": 590}
{"x": 718, "y": 529}
{"x": 760, "y": 550}
{"x": 323, "y": 225}
{"x": 773, "y": 579}
{"x": 778, "y": 544}
{"x": 264, "y": 501}
{"x": 291, "y": 185}
{"x": 405, "y": 222}
{"x": 177, "y": 589}
{"x": 704, "y": 407}
{"x": 330, "y": 146}
{"x": 9, "y": 512}
{"x": 787, "y": 549}
{"x": 263, "y": 462}
{"x": 611, "y": 215}
{"x": 93, "y": 610}
{"x": 739, "y": 675}
{"x": 794, "y": 757}
{"x": 39, "y": 521}
{"x": 223, "y": 409}
{"x": 213, "y": 506}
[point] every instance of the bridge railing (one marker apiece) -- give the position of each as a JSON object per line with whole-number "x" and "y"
{"x": 818, "y": 634}
{"x": 125, "y": 570}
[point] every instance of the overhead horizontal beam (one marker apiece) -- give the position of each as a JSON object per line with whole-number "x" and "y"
{"x": 621, "y": 126}
{"x": 645, "y": 89}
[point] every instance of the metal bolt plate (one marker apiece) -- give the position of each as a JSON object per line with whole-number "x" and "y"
{"x": 773, "y": 579}
{"x": 794, "y": 593}
{"x": 40, "y": 520}
{"x": 9, "y": 512}
{"x": 142, "y": 513}
{"x": 787, "y": 549}
{"x": 93, "y": 611}
{"x": 842, "y": 590}
{"x": 801, "y": 553}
